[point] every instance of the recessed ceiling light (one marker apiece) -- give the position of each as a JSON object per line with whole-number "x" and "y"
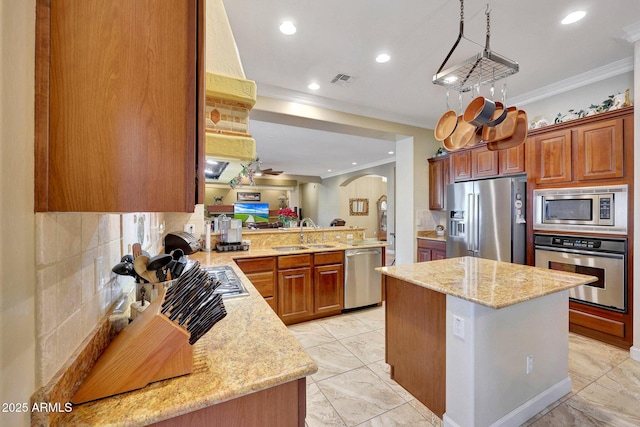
{"x": 314, "y": 86}
{"x": 382, "y": 58}
{"x": 288, "y": 28}
{"x": 390, "y": 152}
{"x": 354, "y": 163}
{"x": 574, "y": 17}
{"x": 328, "y": 170}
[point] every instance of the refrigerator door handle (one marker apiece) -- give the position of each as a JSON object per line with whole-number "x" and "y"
{"x": 471, "y": 224}
{"x": 476, "y": 216}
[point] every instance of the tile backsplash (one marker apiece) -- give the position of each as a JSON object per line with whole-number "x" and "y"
{"x": 75, "y": 285}
{"x": 428, "y": 220}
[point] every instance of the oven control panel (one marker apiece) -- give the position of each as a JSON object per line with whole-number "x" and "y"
{"x": 578, "y": 243}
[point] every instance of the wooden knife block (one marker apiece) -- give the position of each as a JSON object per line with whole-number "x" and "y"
{"x": 151, "y": 348}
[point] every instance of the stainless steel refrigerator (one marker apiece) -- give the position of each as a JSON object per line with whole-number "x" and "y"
{"x": 486, "y": 219}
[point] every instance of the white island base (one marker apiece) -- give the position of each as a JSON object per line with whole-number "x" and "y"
{"x": 487, "y": 383}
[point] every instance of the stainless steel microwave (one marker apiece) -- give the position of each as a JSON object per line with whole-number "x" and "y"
{"x": 587, "y": 209}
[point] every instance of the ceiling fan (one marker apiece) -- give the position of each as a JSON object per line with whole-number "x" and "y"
{"x": 270, "y": 171}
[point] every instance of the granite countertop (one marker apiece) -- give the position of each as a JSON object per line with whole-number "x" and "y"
{"x": 490, "y": 283}
{"x": 215, "y": 258}
{"x": 249, "y": 350}
{"x": 431, "y": 235}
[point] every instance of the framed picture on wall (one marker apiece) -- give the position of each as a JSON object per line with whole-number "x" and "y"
{"x": 248, "y": 197}
{"x": 358, "y": 207}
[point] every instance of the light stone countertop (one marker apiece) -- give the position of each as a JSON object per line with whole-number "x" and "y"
{"x": 490, "y": 283}
{"x": 431, "y": 235}
{"x": 248, "y": 351}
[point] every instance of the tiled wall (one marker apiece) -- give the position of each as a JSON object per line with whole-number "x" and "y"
{"x": 427, "y": 220}
{"x": 70, "y": 300}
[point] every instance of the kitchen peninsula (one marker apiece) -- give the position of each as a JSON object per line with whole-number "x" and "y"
{"x": 248, "y": 370}
{"x": 479, "y": 342}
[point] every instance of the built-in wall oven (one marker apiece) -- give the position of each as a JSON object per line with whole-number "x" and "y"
{"x": 605, "y": 258}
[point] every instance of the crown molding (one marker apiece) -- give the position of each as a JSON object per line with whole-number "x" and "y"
{"x": 630, "y": 33}
{"x": 589, "y": 77}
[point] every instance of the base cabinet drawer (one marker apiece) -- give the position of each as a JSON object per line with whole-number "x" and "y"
{"x": 261, "y": 272}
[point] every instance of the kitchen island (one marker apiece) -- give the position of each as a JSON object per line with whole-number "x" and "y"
{"x": 479, "y": 342}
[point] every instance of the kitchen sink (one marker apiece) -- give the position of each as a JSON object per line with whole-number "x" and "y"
{"x": 289, "y": 248}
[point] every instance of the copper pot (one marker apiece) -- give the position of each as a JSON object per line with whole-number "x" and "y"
{"x": 479, "y": 111}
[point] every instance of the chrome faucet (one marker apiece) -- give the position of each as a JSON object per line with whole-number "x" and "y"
{"x": 307, "y": 220}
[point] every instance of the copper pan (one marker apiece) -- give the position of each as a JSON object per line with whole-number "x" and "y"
{"x": 503, "y": 130}
{"x": 476, "y": 137}
{"x": 461, "y": 135}
{"x": 518, "y": 137}
{"x": 446, "y": 125}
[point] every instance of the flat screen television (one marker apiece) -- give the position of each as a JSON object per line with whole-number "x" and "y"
{"x": 259, "y": 211}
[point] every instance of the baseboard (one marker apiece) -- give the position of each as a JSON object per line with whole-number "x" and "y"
{"x": 635, "y": 352}
{"x": 528, "y": 409}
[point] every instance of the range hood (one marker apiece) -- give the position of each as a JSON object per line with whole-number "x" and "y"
{"x": 228, "y": 143}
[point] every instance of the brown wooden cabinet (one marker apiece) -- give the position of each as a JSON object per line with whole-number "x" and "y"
{"x": 262, "y": 274}
{"x": 295, "y": 288}
{"x": 310, "y": 286}
{"x": 439, "y": 178}
{"x": 461, "y": 165}
{"x": 119, "y": 92}
{"x": 599, "y": 150}
{"x": 431, "y": 250}
{"x": 590, "y": 151}
{"x": 484, "y": 163}
{"x": 579, "y": 153}
{"x": 328, "y": 283}
{"x": 479, "y": 162}
{"x": 551, "y": 157}
{"x": 512, "y": 161}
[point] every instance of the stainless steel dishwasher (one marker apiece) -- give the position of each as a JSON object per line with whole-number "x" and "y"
{"x": 362, "y": 284}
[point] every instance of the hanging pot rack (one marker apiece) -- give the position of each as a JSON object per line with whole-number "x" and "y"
{"x": 483, "y": 68}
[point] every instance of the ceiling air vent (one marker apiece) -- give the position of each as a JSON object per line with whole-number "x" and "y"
{"x": 342, "y": 80}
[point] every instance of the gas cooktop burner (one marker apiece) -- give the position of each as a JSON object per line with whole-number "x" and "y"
{"x": 230, "y": 284}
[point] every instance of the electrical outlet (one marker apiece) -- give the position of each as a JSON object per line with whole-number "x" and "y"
{"x": 458, "y": 326}
{"x": 189, "y": 228}
{"x": 529, "y": 363}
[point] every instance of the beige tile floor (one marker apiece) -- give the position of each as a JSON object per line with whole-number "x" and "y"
{"x": 352, "y": 386}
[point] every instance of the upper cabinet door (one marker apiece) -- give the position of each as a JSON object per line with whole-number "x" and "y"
{"x": 118, "y": 105}
{"x": 460, "y": 164}
{"x": 551, "y": 162}
{"x": 484, "y": 163}
{"x": 599, "y": 150}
